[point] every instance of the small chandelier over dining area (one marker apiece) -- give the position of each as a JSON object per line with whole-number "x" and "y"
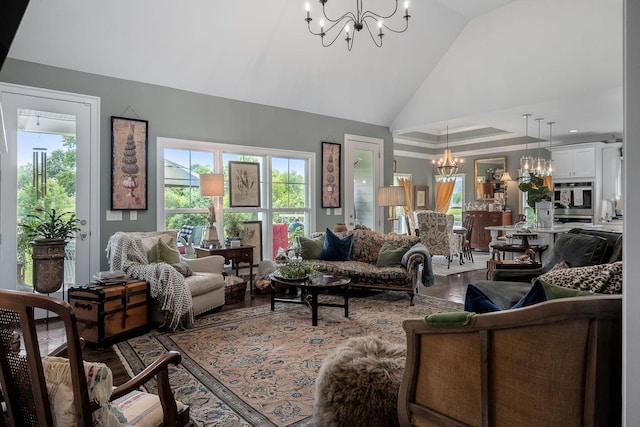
{"x": 536, "y": 165}
{"x": 354, "y": 21}
{"x": 447, "y": 166}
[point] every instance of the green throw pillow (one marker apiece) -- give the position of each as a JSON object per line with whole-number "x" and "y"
{"x": 390, "y": 256}
{"x": 455, "y": 318}
{"x": 553, "y": 291}
{"x": 311, "y": 248}
{"x": 163, "y": 252}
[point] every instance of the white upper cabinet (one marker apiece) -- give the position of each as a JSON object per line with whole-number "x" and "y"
{"x": 611, "y": 172}
{"x": 572, "y": 162}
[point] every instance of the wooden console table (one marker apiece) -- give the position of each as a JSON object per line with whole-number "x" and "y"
{"x": 233, "y": 255}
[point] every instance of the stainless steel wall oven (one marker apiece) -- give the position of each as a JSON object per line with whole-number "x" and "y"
{"x": 574, "y": 201}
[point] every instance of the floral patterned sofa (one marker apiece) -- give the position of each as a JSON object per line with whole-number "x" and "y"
{"x": 362, "y": 265}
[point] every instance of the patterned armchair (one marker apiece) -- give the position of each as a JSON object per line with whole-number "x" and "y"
{"x": 436, "y": 233}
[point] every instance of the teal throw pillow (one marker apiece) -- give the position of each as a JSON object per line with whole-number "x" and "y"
{"x": 311, "y": 248}
{"x": 476, "y": 301}
{"x": 390, "y": 256}
{"x": 164, "y": 252}
{"x": 335, "y": 248}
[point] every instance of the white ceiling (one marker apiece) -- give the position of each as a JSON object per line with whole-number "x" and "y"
{"x": 468, "y": 64}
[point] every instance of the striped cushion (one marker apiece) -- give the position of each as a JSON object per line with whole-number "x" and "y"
{"x": 142, "y": 409}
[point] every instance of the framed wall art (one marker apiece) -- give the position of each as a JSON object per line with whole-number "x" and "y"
{"x": 252, "y": 236}
{"x": 421, "y": 197}
{"x": 128, "y": 163}
{"x": 244, "y": 184}
{"x": 331, "y": 179}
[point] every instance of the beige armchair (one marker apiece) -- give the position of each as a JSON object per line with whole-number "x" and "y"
{"x": 176, "y": 297}
{"x": 557, "y": 363}
{"x": 435, "y": 230}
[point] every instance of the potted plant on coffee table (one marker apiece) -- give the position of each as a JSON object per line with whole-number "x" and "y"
{"x": 50, "y": 231}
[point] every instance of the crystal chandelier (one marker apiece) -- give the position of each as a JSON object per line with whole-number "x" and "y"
{"x": 447, "y": 165}
{"x": 352, "y": 22}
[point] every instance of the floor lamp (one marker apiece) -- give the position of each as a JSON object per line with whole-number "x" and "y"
{"x": 212, "y": 185}
{"x": 391, "y": 196}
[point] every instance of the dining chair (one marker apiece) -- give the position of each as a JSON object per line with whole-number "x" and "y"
{"x": 466, "y": 244}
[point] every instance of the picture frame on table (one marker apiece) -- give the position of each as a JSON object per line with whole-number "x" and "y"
{"x": 331, "y": 179}
{"x": 244, "y": 185}
{"x": 129, "y": 148}
{"x": 252, "y": 236}
{"x": 421, "y": 197}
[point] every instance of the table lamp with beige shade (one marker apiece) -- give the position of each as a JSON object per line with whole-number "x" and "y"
{"x": 505, "y": 178}
{"x": 391, "y": 196}
{"x": 212, "y": 185}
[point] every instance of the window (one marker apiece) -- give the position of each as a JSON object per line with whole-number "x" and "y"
{"x": 285, "y": 190}
{"x": 457, "y": 199}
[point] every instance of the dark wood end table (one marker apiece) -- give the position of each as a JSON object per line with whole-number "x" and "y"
{"x": 234, "y": 255}
{"x": 309, "y": 289}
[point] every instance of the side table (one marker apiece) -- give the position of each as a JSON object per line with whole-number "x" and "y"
{"x": 233, "y": 255}
{"x": 495, "y": 263}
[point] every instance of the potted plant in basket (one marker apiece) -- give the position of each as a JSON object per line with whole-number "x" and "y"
{"x": 50, "y": 231}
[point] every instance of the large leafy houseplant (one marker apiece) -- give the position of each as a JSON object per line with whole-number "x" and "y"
{"x": 49, "y": 224}
{"x": 536, "y": 190}
{"x": 51, "y": 231}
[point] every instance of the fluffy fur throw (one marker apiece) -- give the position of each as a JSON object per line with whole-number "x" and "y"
{"x": 358, "y": 384}
{"x": 167, "y": 285}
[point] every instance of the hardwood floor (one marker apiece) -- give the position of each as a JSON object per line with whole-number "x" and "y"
{"x": 451, "y": 288}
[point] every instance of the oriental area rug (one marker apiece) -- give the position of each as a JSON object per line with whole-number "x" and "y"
{"x": 255, "y": 367}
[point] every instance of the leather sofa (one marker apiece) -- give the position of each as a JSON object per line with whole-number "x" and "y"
{"x": 577, "y": 248}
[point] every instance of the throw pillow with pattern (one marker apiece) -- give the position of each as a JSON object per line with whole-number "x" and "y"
{"x": 601, "y": 278}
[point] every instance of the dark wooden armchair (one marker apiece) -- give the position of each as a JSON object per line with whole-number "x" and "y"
{"x": 557, "y": 363}
{"x": 22, "y": 373}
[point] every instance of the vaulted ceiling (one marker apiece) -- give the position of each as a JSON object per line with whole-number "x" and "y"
{"x": 473, "y": 65}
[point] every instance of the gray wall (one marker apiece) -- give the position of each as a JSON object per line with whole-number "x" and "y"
{"x": 180, "y": 114}
{"x": 631, "y": 319}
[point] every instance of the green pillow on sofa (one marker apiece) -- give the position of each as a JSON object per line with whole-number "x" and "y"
{"x": 390, "y": 256}
{"x": 311, "y": 248}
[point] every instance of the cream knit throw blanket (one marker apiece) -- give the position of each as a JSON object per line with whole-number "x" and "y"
{"x": 167, "y": 285}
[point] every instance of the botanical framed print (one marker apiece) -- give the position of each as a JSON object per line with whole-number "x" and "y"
{"x": 331, "y": 186}
{"x": 244, "y": 184}
{"x": 421, "y": 197}
{"x": 129, "y": 138}
{"x": 252, "y": 236}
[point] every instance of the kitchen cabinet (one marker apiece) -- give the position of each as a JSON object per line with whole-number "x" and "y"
{"x": 611, "y": 172}
{"x": 574, "y": 162}
{"x": 480, "y": 238}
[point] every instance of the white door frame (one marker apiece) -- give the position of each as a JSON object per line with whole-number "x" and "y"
{"x": 352, "y": 142}
{"x": 8, "y": 170}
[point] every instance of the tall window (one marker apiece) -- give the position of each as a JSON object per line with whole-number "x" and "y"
{"x": 457, "y": 199}
{"x": 285, "y": 186}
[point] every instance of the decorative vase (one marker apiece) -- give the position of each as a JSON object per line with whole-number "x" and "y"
{"x": 339, "y": 227}
{"x": 544, "y": 214}
{"x": 48, "y": 264}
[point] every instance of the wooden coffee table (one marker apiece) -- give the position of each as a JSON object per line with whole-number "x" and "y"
{"x": 309, "y": 290}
